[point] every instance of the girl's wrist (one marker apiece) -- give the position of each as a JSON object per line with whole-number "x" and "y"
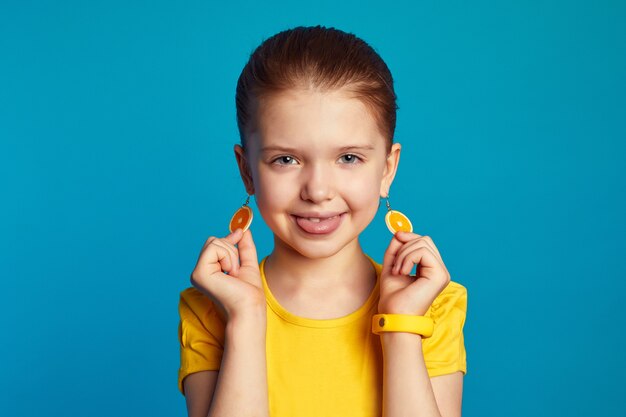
{"x": 249, "y": 318}
{"x": 401, "y": 340}
{"x": 248, "y": 330}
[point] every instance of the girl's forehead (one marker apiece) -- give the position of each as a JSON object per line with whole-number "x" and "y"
{"x": 306, "y": 118}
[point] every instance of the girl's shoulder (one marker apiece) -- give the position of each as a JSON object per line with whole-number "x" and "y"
{"x": 193, "y": 296}
{"x": 195, "y": 305}
{"x": 453, "y": 296}
{"x": 453, "y": 288}
{"x": 444, "y": 351}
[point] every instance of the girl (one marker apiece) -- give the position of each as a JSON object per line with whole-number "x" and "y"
{"x": 318, "y": 328}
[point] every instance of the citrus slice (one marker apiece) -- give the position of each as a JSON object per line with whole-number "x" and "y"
{"x": 397, "y": 222}
{"x": 241, "y": 219}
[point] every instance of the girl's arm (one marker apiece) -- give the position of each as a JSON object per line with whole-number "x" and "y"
{"x": 407, "y": 389}
{"x": 199, "y": 388}
{"x": 240, "y": 387}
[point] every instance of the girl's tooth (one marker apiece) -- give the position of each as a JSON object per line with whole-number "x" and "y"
{"x": 317, "y": 219}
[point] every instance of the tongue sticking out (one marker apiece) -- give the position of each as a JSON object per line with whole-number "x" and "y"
{"x": 319, "y": 226}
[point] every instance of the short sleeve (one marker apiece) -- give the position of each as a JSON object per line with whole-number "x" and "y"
{"x": 444, "y": 351}
{"x": 200, "y": 334}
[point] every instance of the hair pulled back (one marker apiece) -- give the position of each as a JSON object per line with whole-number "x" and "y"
{"x": 316, "y": 58}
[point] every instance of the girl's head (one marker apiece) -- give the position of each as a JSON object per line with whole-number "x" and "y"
{"x": 316, "y": 112}
{"x": 320, "y": 59}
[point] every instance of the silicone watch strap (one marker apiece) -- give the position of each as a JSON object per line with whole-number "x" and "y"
{"x": 421, "y": 325}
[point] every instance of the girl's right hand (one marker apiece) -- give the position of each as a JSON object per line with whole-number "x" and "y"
{"x": 239, "y": 292}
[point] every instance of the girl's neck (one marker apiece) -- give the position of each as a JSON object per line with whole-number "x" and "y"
{"x": 322, "y": 288}
{"x": 294, "y": 273}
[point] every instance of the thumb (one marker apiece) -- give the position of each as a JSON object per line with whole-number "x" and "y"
{"x": 233, "y": 237}
{"x": 247, "y": 251}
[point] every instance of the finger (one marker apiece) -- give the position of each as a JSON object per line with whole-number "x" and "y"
{"x": 234, "y": 237}
{"x": 247, "y": 250}
{"x": 208, "y": 242}
{"x": 390, "y": 255}
{"x": 216, "y": 286}
{"x": 402, "y": 253}
{"x": 433, "y": 247}
{"x": 213, "y": 259}
{"x": 423, "y": 257}
{"x": 405, "y": 266}
{"x": 408, "y": 248}
{"x": 210, "y": 254}
{"x": 405, "y": 237}
{"x": 232, "y": 254}
{"x": 225, "y": 257}
{"x": 231, "y": 238}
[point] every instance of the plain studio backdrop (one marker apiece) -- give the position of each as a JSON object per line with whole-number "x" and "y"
{"x": 117, "y": 123}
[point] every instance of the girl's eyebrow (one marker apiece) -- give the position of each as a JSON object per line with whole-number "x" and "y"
{"x": 365, "y": 147}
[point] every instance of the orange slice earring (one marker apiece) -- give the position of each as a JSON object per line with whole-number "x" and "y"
{"x": 397, "y": 221}
{"x": 242, "y": 217}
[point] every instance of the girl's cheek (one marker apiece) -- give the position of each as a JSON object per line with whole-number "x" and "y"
{"x": 275, "y": 191}
{"x": 365, "y": 187}
{"x": 361, "y": 199}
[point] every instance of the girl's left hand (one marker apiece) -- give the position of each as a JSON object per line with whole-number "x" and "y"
{"x": 401, "y": 293}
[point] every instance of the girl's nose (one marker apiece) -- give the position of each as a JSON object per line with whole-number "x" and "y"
{"x": 318, "y": 184}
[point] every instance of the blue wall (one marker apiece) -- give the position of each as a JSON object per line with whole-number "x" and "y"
{"x": 117, "y": 122}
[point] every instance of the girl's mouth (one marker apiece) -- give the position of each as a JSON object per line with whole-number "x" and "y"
{"x": 319, "y": 225}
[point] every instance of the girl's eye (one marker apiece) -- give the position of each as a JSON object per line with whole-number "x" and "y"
{"x": 350, "y": 158}
{"x": 284, "y": 160}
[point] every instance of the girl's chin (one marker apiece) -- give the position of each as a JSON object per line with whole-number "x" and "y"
{"x": 313, "y": 251}
{"x": 316, "y": 246}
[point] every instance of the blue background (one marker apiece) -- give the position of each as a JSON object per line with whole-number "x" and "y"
{"x": 117, "y": 123}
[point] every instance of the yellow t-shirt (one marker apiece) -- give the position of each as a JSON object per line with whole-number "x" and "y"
{"x": 322, "y": 367}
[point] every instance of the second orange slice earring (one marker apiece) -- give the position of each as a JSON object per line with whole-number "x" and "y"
{"x": 397, "y": 221}
{"x": 242, "y": 217}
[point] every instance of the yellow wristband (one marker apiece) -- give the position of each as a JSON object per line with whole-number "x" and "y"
{"x": 421, "y": 325}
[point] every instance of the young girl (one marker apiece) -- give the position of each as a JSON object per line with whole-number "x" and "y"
{"x": 318, "y": 328}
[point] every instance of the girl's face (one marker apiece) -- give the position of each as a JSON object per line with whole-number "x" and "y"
{"x": 317, "y": 165}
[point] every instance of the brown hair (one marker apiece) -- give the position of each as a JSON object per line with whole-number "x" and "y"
{"x": 317, "y": 58}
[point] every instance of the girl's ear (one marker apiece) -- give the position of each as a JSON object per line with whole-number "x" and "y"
{"x": 244, "y": 169}
{"x": 391, "y": 166}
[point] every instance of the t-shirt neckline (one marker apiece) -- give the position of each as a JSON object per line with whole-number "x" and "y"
{"x": 320, "y": 323}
